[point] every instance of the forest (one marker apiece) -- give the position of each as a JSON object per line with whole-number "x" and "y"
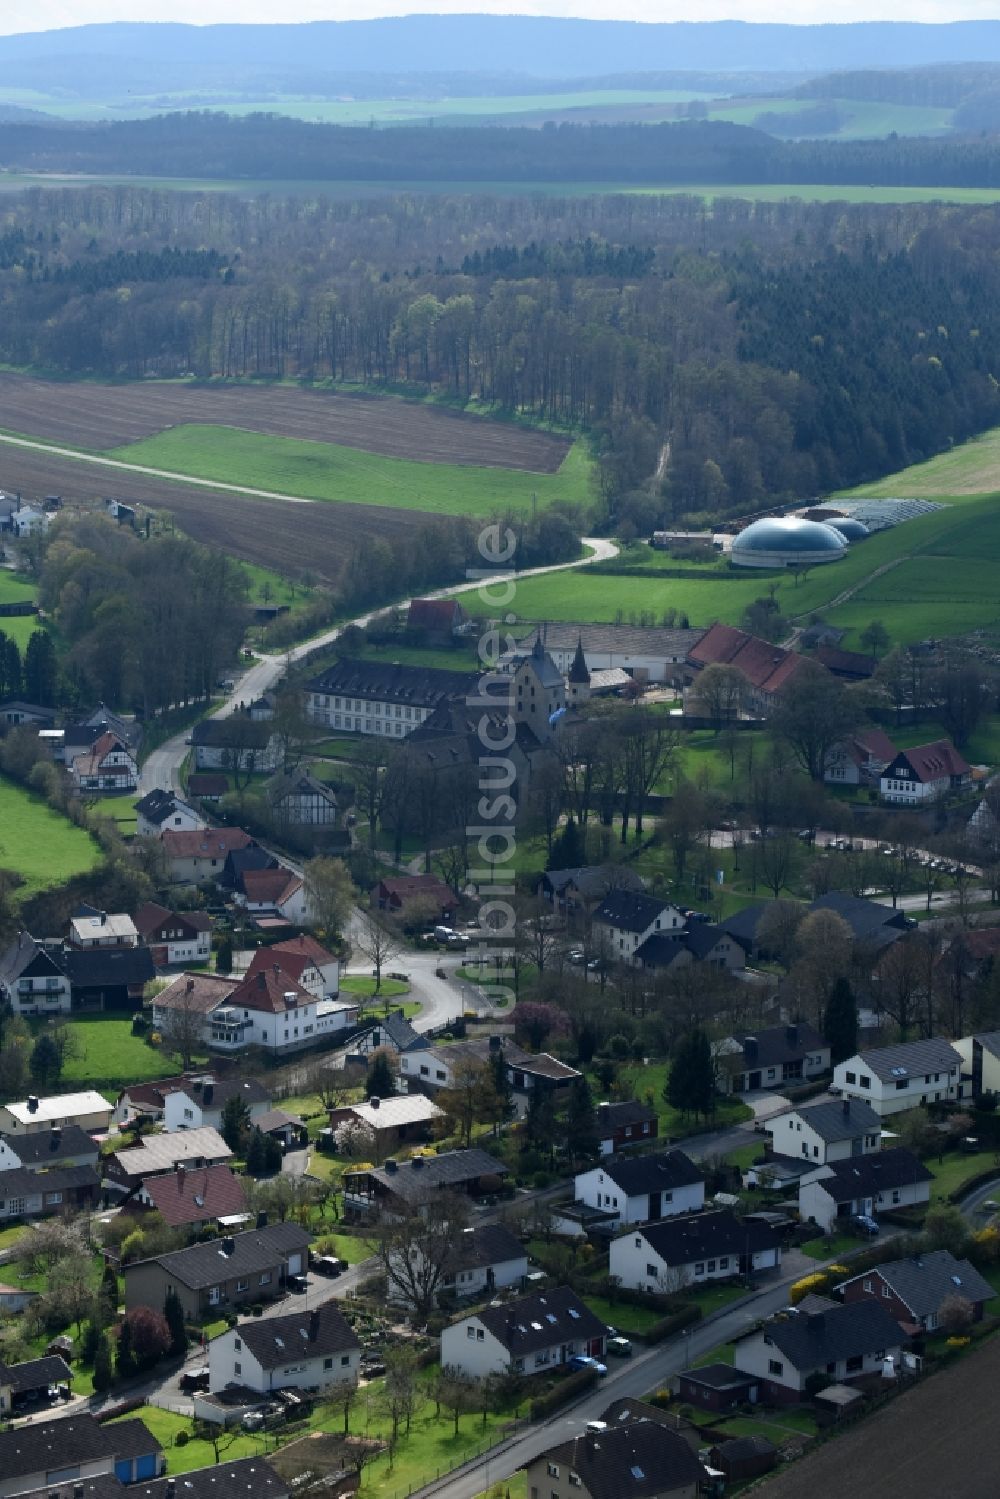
{"x": 203, "y": 144}
{"x": 777, "y": 349}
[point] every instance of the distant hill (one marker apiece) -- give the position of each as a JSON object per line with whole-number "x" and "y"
{"x": 551, "y": 47}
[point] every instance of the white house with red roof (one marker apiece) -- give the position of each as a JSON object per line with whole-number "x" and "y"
{"x": 304, "y": 960}
{"x": 201, "y": 854}
{"x": 174, "y": 937}
{"x": 106, "y": 765}
{"x": 923, "y": 774}
{"x": 273, "y": 1011}
{"x": 859, "y": 759}
{"x": 274, "y": 893}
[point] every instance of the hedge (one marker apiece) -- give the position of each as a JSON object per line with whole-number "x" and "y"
{"x": 981, "y": 1179}
{"x": 674, "y": 1323}
{"x": 806, "y": 1091}
{"x": 562, "y": 1393}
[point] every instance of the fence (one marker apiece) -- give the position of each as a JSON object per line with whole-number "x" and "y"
{"x": 492, "y": 1443}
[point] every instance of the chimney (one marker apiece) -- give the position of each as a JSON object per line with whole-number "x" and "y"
{"x": 103, "y": 918}
{"x": 496, "y": 1043}
{"x": 262, "y": 1220}
{"x": 374, "y": 1101}
{"x": 314, "y": 1324}
{"x": 750, "y": 1048}
{"x": 32, "y": 1103}
{"x": 208, "y": 1093}
{"x": 228, "y": 1244}
{"x": 180, "y": 1171}
{"x": 792, "y": 1035}
{"x": 189, "y": 987}
{"x": 846, "y": 1106}
{"x": 603, "y": 1110}
{"x": 417, "y": 1162}
{"x": 55, "y": 1137}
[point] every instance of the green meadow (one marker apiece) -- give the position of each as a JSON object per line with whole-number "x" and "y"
{"x": 327, "y": 471}
{"x": 43, "y": 847}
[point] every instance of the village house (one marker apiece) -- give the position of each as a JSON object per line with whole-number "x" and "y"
{"x": 400, "y": 1187}
{"x": 107, "y": 766}
{"x": 221, "y": 1274}
{"x": 226, "y": 1480}
{"x": 826, "y": 1132}
{"x": 62, "y": 1145}
{"x": 923, "y": 774}
{"x": 700, "y": 942}
{"x": 486, "y": 1259}
{"x": 770, "y": 1058}
{"x": 34, "y": 1115}
{"x": 767, "y": 668}
{"x": 144, "y": 1102}
{"x": 396, "y": 892}
{"x": 198, "y": 1105}
{"x": 873, "y": 925}
{"x": 665, "y": 1257}
{"x": 437, "y": 619}
{"x": 625, "y": 919}
{"x": 393, "y": 1032}
{"x": 289, "y": 1130}
{"x": 161, "y": 1154}
{"x": 621, "y": 1125}
{"x": 108, "y": 978}
{"x": 90, "y": 930}
{"x": 192, "y": 1197}
{"x": 83, "y": 734}
{"x": 14, "y": 712}
{"x": 274, "y": 896}
{"x": 207, "y": 786}
{"x": 298, "y": 799}
{"x": 914, "y": 1289}
{"x": 41, "y": 1194}
{"x": 308, "y": 1350}
{"x": 273, "y": 1011}
{"x": 29, "y": 522}
{"x": 159, "y": 810}
{"x": 843, "y": 1343}
{"x": 583, "y": 889}
{"x": 859, "y": 759}
{"x": 201, "y": 855}
{"x": 42, "y": 1455}
{"x": 980, "y": 1061}
{"x": 303, "y": 959}
{"x": 186, "y": 1006}
{"x": 862, "y": 1186}
{"x": 392, "y": 1121}
{"x": 635, "y": 1460}
{"x": 375, "y": 697}
{"x": 32, "y": 979}
{"x": 893, "y": 1079}
{"x": 174, "y": 937}
{"x": 642, "y": 1189}
{"x": 236, "y": 743}
{"x": 533, "y": 1335}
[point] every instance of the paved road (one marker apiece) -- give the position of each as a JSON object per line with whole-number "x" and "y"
{"x": 161, "y": 770}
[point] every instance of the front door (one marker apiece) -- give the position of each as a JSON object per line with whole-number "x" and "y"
{"x": 655, "y": 1207}
{"x": 753, "y": 1081}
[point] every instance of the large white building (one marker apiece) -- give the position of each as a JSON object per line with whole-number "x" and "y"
{"x": 88, "y": 1109}
{"x": 308, "y": 1350}
{"x": 533, "y": 1335}
{"x": 923, "y": 774}
{"x": 626, "y": 919}
{"x": 379, "y": 697}
{"x": 895, "y": 1078}
{"x": 648, "y": 654}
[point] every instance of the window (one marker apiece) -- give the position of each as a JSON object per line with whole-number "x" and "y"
{"x": 237, "y": 1367}
{"x": 851, "y": 1077}
{"x": 480, "y": 1335}
{"x": 866, "y": 1081}
{"x": 699, "y": 1269}
{"x": 238, "y": 1344}
{"x": 470, "y": 1331}
{"x": 345, "y": 1360}
{"x": 901, "y": 1083}
{"x": 574, "y": 1479}
{"x": 775, "y": 1366}
{"x": 724, "y": 1262}
{"x": 886, "y": 1292}
{"x": 868, "y": 1286}
{"x": 651, "y": 1271}
{"x": 265, "y": 1279}
{"x": 189, "y": 1113}
{"x": 213, "y": 1296}
{"x": 242, "y": 1285}
{"x": 711, "y": 1267}
{"x": 638, "y": 1242}
{"x": 328, "y": 1363}
{"x": 553, "y": 1471}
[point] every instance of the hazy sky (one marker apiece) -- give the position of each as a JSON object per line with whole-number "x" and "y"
{"x": 41, "y": 15}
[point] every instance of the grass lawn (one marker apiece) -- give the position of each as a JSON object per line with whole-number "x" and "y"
{"x": 628, "y": 1319}
{"x": 950, "y": 1173}
{"x": 431, "y": 1450}
{"x": 15, "y": 588}
{"x": 827, "y": 1248}
{"x": 109, "y": 1056}
{"x": 197, "y": 1453}
{"x": 10, "y": 1236}
{"x": 347, "y": 1247}
{"x": 364, "y": 986}
{"x": 441, "y": 658}
{"x": 120, "y": 809}
{"x": 653, "y": 1079}
{"x": 328, "y": 471}
{"x": 41, "y": 845}
{"x": 713, "y": 1298}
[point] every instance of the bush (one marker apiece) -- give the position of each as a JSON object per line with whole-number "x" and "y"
{"x": 182, "y": 1438}
{"x": 561, "y": 1394}
{"x": 140, "y": 1024}
{"x": 667, "y": 1326}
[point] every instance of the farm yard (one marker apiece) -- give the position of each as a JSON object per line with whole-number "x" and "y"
{"x": 88, "y": 414}
{"x": 44, "y": 847}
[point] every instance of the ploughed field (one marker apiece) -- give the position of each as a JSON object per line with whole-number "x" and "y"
{"x": 291, "y": 539}
{"x": 90, "y": 415}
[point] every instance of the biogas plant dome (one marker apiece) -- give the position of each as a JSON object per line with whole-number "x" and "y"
{"x": 787, "y": 541}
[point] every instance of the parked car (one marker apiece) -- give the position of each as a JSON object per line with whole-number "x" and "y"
{"x": 575, "y": 955}
{"x": 327, "y": 1264}
{"x": 866, "y": 1225}
{"x": 297, "y": 1284}
{"x": 195, "y": 1379}
{"x": 620, "y": 1347}
{"x": 585, "y": 1361}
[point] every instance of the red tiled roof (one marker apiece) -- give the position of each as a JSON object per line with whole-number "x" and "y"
{"x": 406, "y": 886}
{"x": 151, "y": 917}
{"x": 196, "y": 1196}
{"x": 269, "y": 886}
{"x": 930, "y": 762}
{"x": 877, "y": 743}
{"x": 153, "y": 1094}
{"x": 203, "y": 783}
{"x": 209, "y": 843}
{"x": 195, "y": 991}
{"x": 767, "y": 667}
{"x": 89, "y": 763}
{"x": 307, "y": 946}
{"x": 266, "y": 991}
{"x": 435, "y": 614}
{"x": 719, "y": 644}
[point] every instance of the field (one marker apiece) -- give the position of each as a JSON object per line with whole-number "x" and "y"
{"x": 334, "y": 472}
{"x": 763, "y": 192}
{"x": 971, "y": 468}
{"x": 14, "y": 590}
{"x": 43, "y": 847}
{"x": 102, "y": 416}
{"x": 108, "y": 1055}
{"x": 884, "y": 1454}
{"x": 861, "y": 119}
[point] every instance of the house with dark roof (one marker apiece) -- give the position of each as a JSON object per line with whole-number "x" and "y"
{"x": 843, "y": 1343}
{"x": 199, "y": 1104}
{"x": 145, "y": 1101}
{"x": 160, "y": 1153}
{"x": 863, "y": 1186}
{"x": 825, "y": 1132}
{"x": 770, "y": 1058}
{"x": 303, "y": 959}
{"x": 437, "y": 619}
{"x": 872, "y": 924}
{"x": 207, "y": 786}
{"x": 916, "y": 1288}
{"x": 238, "y": 743}
{"x": 307, "y": 1350}
{"x": 693, "y": 1250}
{"x": 700, "y": 942}
{"x": 107, "y": 765}
{"x": 33, "y": 980}
{"x": 624, "y": 1124}
{"x": 635, "y": 1460}
{"x": 481, "y": 1260}
{"x": 40, "y": 1194}
{"x": 625, "y": 919}
{"x": 108, "y": 978}
{"x": 191, "y": 1198}
{"x": 242, "y": 1478}
{"x": 14, "y": 712}
{"x": 174, "y": 937}
{"x": 61, "y": 1145}
{"x": 895, "y": 1078}
{"x": 648, "y": 653}
{"x": 297, "y": 799}
{"x": 715, "y": 1387}
{"x": 850, "y": 666}
{"x": 980, "y": 1055}
{"x": 642, "y": 1189}
{"x": 859, "y": 759}
{"x": 221, "y": 1275}
{"x": 24, "y": 1383}
{"x": 38, "y": 1456}
{"x": 743, "y": 1458}
{"x": 533, "y": 1335}
{"x": 380, "y": 697}
{"x": 923, "y": 774}
{"x": 393, "y": 1031}
{"x": 584, "y": 889}
{"x": 159, "y": 810}
{"x": 428, "y": 1068}
{"x": 402, "y": 1186}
